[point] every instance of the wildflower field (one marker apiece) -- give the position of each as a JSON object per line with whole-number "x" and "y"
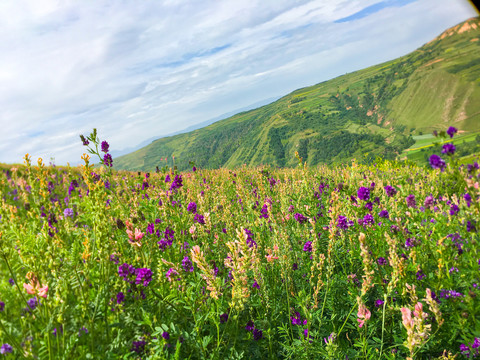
{"x": 375, "y": 261}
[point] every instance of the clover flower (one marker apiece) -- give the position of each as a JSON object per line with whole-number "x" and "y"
{"x": 390, "y": 190}
{"x": 257, "y": 334}
{"x": 187, "y": 264}
{"x": 300, "y": 218}
{"x": 107, "y": 160}
{"x": 138, "y": 346}
{"x": 192, "y": 207}
{"x": 411, "y": 202}
{"x": 384, "y": 214}
{"x": 105, "y": 146}
{"x": 451, "y": 131}
{"x": 144, "y": 276}
{"x": 436, "y": 162}
{"x": 307, "y": 247}
{"x": 5, "y": 349}
{"x": 363, "y": 193}
{"x": 448, "y": 149}
{"x": 120, "y": 297}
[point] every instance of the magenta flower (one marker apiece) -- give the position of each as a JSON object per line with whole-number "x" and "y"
{"x": 363, "y": 193}
{"x": 451, "y": 131}
{"x": 436, "y": 162}
{"x": 448, "y": 149}
{"x": 105, "y": 146}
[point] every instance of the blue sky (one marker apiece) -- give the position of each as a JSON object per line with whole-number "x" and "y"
{"x": 136, "y": 70}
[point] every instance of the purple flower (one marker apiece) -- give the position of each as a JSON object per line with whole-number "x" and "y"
{"x": 464, "y": 349}
{"x": 84, "y": 330}
{"x": 84, "y": 141}
{"x": 125, "y": 270}
{"x": 343, "y": 223}
{"x": 420, "y": 275}
{"x": 177, "y": 183}
{"x": 296, "y": 319}
{"x": 144, "y": 276}
{"x": 105, "y": 146}
{"x": 436, "y": 162}
{"x": 138, "y": 346}
{"x": 454, "y": 210}
{"x": 120, "y": 297}
{"x": 363, "y": 193}
{"x": 390, "y": 190}
{"x": 382, "y": 261}
{"x": 250, "y": 326}
{"x": 384, "y": 214}
{"x": 170, "y": 273}
{"x": 32, "y": 303}
{"x": 114, "y": 259}
{"x": 264, "y": 212}
{"x": 192, "y": 207}
{"x": 107, "y": 160}
{"x": 307, "y": 247}
{"x": 257, "y": 334}
{"x": 166, "y": 335}
{"x": 250, "y": 241}
{"x": 471, "y": 226}
{"x": 448, "y": 149}
{"x": 5, "y": 349}
{"x": 368, "y": 220}
{"x": 410, "y": 242}
{"x": 199, "y": 218}
{"x": 68, "y": 212}
{"x": 2, "y": 306}
{"x": 429, "y": 201}
{"x": 223, "y": 318}
{"x": 11, "y": 281}
{"x": 255, "y": 285}
{"x": 167, "y": 178}
{"x": 187, "y": 264}
{"x": 379, "y": 303}
{"x": 468, "y": 199}
{"x": 369, "y": 206}
{"x": 451, "y": 131}
{"x": 411, "y": 202}
{"x": 300, "y": 218}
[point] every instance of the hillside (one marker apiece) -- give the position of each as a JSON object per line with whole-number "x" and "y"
{"x": 374, "y": 111}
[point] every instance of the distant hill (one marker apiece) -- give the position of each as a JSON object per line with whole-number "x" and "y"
{"x": 376, "y": 110}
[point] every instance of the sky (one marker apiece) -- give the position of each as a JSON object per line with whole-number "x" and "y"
{"x": 142, "y": 69}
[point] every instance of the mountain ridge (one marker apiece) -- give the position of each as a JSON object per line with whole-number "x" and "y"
{"x": 374, "y": 110}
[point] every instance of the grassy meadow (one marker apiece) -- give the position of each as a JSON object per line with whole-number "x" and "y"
{"x": 355, "y": 261}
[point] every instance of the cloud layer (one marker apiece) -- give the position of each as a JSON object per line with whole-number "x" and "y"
{"x": 137, "y": 69}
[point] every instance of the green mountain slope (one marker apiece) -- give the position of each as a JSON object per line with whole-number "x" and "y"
{"x": 376, "y": 111}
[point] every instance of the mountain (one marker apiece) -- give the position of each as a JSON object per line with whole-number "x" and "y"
{"x": 117, "y": 153}
{"x": 374, "y": 111}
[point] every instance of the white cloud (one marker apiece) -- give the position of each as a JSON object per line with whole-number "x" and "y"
{"x": 138, "y": 69}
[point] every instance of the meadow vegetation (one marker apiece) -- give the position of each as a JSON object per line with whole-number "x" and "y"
{"x": 377, "y": 261}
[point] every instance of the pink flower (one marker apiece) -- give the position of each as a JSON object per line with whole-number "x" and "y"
{"x": 34, "y": 288}
{"x": 407, "y": 317}
{"x": 138, "y": 234}
{"x": 363, "y": 315}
